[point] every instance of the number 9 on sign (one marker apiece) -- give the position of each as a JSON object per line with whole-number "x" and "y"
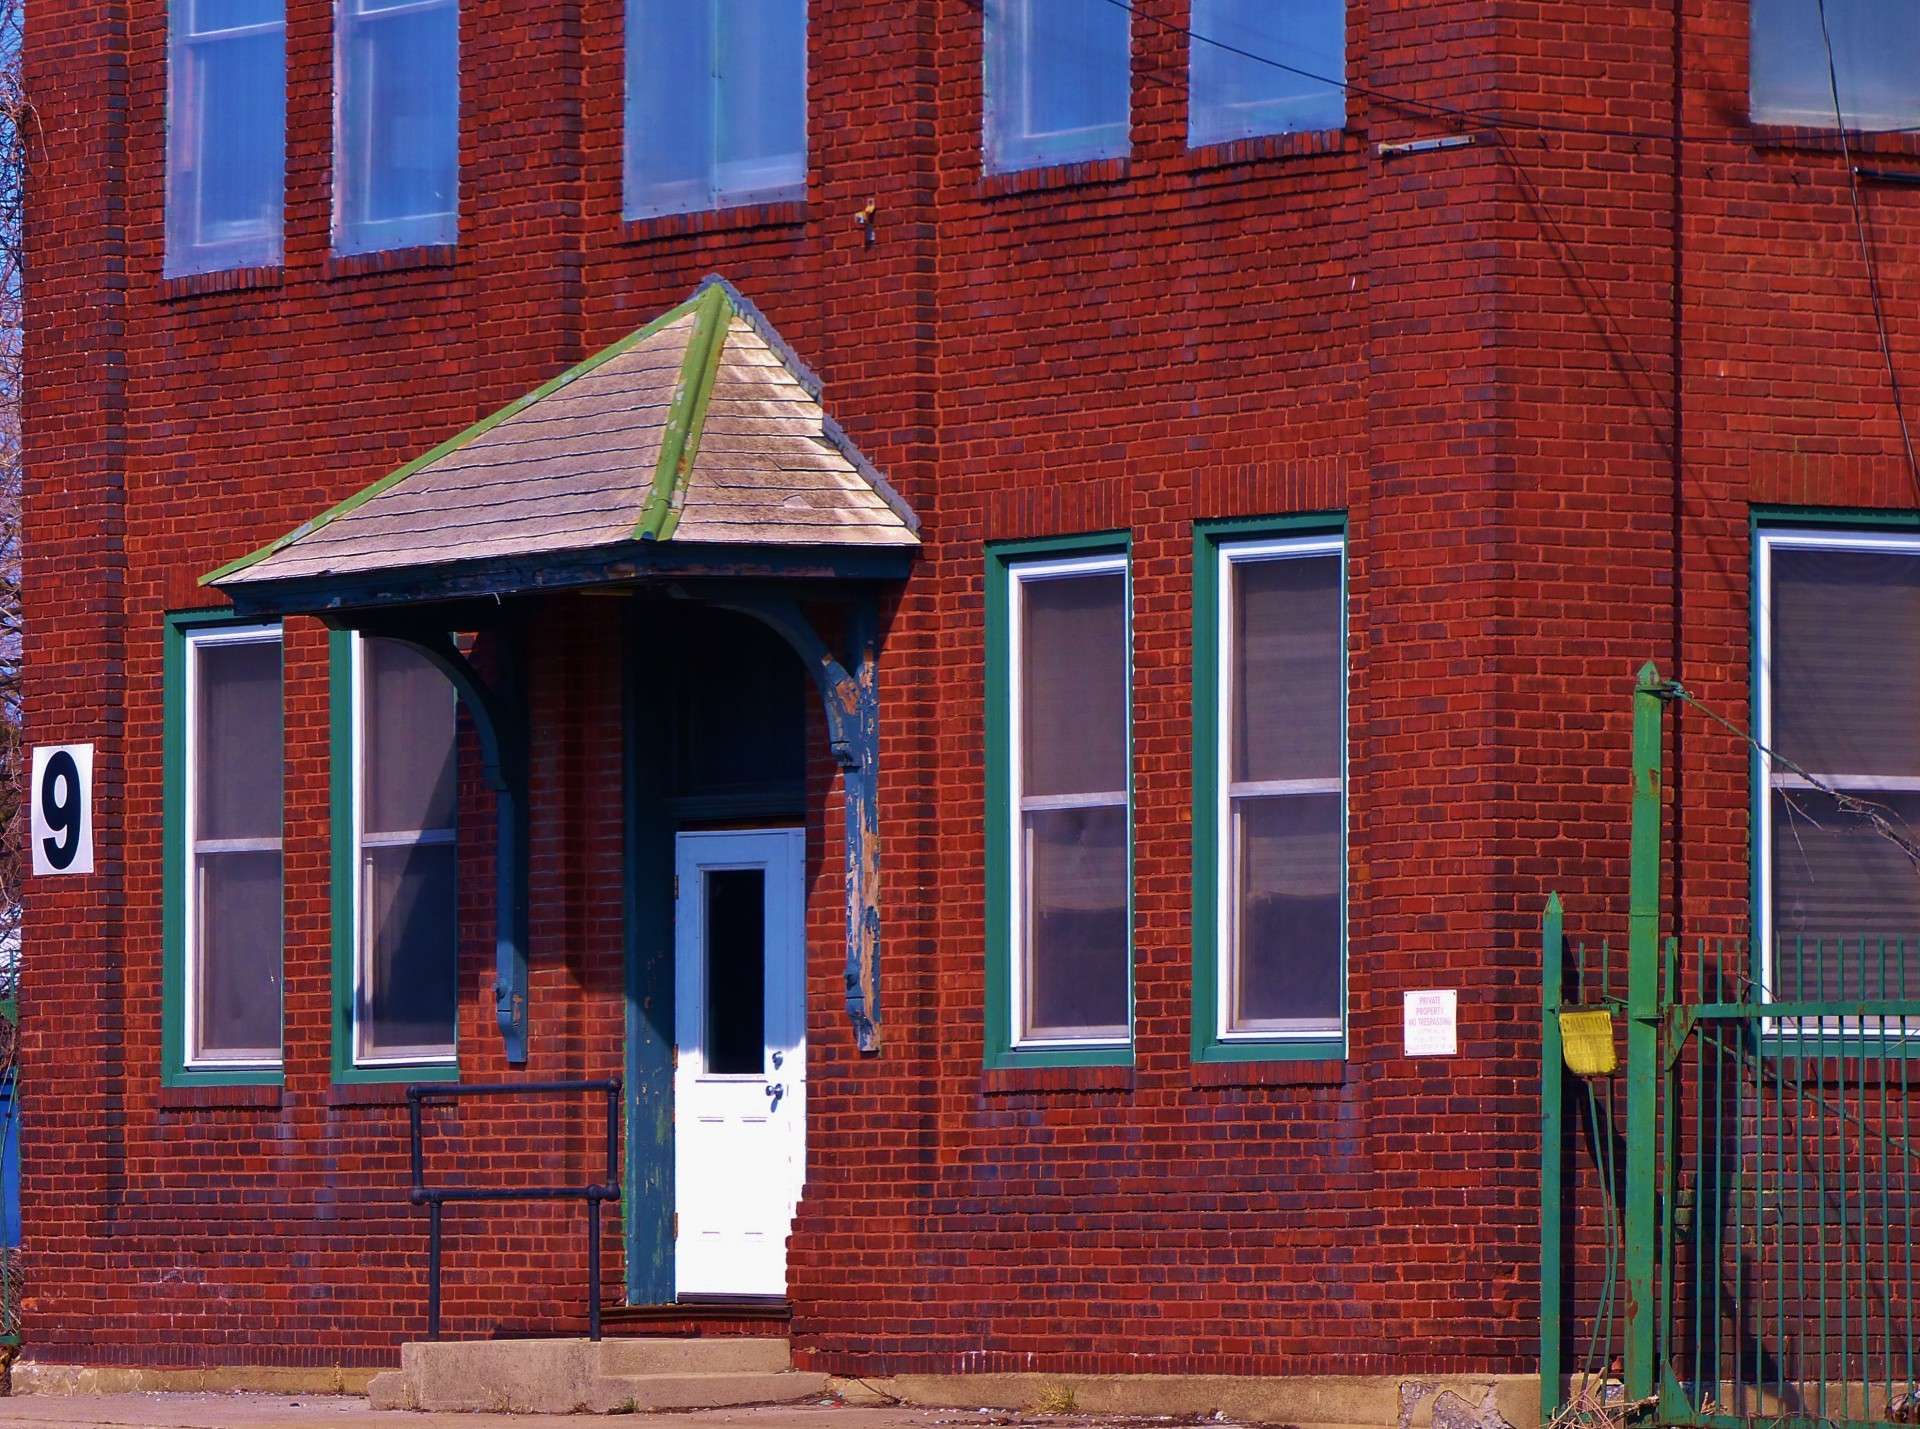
{"x": 62, "y": 809}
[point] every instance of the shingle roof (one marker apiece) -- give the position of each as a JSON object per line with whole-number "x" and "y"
{"x": 700, "y": 427}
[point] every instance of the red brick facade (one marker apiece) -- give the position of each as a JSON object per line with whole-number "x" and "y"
{"x": 1484, "y": 356}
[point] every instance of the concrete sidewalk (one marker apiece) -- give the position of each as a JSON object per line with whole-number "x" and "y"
{"x": 156, "y": 1410}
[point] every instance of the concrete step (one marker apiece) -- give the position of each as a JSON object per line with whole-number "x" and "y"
{"x": 711, "y": 1355}
{"x": 570, "y": 1376}
{"x": 644, "y": 1393}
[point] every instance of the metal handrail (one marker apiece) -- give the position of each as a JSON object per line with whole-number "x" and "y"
{"x": 435, "y": 1198}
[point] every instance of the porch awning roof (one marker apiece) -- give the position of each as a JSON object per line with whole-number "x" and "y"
{"x": 698, "y": 442}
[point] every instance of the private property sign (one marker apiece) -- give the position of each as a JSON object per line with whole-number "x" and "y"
{"x": 1432, "y": 1021}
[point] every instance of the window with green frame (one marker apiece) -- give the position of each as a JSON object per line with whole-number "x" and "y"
{"x": 223, "y": 770}
{"x": 395, "y": 854}
{"x": 1060, "y": 805}
{"x": 1270, "y": 802}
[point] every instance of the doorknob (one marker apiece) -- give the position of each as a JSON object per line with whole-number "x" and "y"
{"x": 775, "y": 1091}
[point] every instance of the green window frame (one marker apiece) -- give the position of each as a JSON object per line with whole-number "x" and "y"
{"x": 1006, "y": 563}
{"x": 178, "y": 1068}
{"x": 1216, "y": 544}
{"x": 344, "y": 816}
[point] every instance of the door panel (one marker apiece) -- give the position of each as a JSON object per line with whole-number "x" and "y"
{"x": 739, "y": 1080}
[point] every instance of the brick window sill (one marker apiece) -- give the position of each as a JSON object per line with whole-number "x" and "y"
{"x": 1261, "y": 147}
{"x": 1276, "y": 1073}
{"x": 1056, "y": 176}
{"x": 1828, "y": 141}
{"x": 367, "y": 1094}
{"x": 227, "y": 280}
{"x": 792, "y": 214}
{"x": 393, "y": 260}
{"x": 1008, "y": 1081}
{"x": 221, "y": 1098}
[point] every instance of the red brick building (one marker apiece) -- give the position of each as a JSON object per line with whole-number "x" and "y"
{"x": 1221, "y": 498}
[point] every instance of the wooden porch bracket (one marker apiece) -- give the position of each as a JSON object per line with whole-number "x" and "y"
{"x": 498, "y": 708}
{"x": 851, "y": 699}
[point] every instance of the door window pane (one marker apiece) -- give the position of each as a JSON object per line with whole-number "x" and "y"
{"x": 1876, "y": 63}
{"x": 1071, "y": 776}
{"x": 234, "y": 777}
{"x": 716, "y": 104}
{"x": 408, "y": 910}
{"x": 735, "y": 1037}
{"x": 1233, "y": 95}
{"x": 1057, "y": 82}
{"x": 399, "y": 144}
{"x": 1282, "y": 758}
{"x": 226, "y": 134}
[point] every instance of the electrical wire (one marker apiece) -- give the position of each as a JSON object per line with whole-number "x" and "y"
{"x": 1866, "y": 251}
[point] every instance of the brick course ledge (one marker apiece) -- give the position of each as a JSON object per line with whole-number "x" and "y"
{"x": 221, "y": 1098}
{"x": 1859, "y": 144}
{"x": 714, "y": 220}
{"x": 1056, "y": 176}
{"x": 393, "y": 260}
{"x": 227, "y": 280}
{"x": 1327, "y": 1073}
{"x": 1260, "y": 147}
{"x": 1001, "y": 1081}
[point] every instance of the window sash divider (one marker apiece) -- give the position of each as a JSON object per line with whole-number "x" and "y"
{"x": 407, "y": 838}
{"x": 1851, "y": 783}
{"x": 264, "y": 844}
{"x": 1279, "y": 788}
{"x": 1047, "y": 803}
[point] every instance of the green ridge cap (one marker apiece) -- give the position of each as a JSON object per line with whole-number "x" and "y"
{"x": 680, "y": 443}
{"x": 701, "y": 302}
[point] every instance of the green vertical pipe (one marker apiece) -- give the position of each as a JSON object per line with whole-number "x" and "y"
{"x": 1552, "y": 1127}
{"x": 1669, "y": 1184}
{"x": 1643, "y": 1030}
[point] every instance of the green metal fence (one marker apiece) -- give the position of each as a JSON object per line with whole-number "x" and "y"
{"x": 1728, "y": 1212}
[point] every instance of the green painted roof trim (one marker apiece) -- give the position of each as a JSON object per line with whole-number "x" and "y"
{"x": 680, "y": 443}
{"x": 486, "y": 424}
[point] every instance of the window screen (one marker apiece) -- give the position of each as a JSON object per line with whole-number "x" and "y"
{"x": 398, "y": 156}
{"x": 226, "y": 133}
{"x": 234, "y": 809}
{"x": 1058, "y": 80}
{"x": 407, "y": 915}
{"x": 716, "y": 104}
{"x": 1073, "y": 812}
{"x": 1284, "y": 809}
{"x": 1252, "y": 68}
{"x": 1841, "y": 680}
{"x": 1876, "y": 63}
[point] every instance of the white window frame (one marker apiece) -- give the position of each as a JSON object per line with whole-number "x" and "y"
{"x": 1769, "y": 778}
{"x": 1227, "y": 857}
{"x": 447, "y": 1055}
{"x": 196, "y": 252}
{"x": 378, "y": 236}
{"x": 1019, "y": 864}
{"x": 194, "y": 1059}
{"x": 1030, "y": 138}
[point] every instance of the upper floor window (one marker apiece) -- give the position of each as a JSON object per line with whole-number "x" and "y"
{"x": 1058, "y": 82}
{"x": 404, "y": 913}
{"x": 1257, "y": 67}
{"x": 1875, "y": 55}
{"x": 1061, "y": 660}
{"x": 226, "y": 134}
{"x": 397, "y": 162}
{"x": 1839, "y": 651}
{"x": 231, "y": 899}
{"x": 716, "y": 104}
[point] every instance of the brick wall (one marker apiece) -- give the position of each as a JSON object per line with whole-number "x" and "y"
{"x": 1472, "y": 352}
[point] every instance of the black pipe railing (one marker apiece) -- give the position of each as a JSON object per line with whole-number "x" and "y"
{"x": 436, "y": 1198}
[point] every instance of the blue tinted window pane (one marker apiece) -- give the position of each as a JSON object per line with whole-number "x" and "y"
{"x": 716, "y": 104}
{"x": 760, "y": 100}
{"x": 226, "y": 138}
{"x": 211, "y": 16}
{"x": 399, "y": 160}
{"x": 1058, "y": 78}
{"x": 1234, "y": 95}
{"x": 1876, "y": 60}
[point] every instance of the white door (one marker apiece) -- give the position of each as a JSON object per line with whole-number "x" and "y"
{"x": 739, "y": 1082}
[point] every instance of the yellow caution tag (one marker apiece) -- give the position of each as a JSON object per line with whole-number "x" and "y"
{"x": 1586, "y": 1041}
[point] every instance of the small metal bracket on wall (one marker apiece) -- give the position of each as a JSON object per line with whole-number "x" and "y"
{"x": 498, "y": 708}
{"x": 850, "y": 697}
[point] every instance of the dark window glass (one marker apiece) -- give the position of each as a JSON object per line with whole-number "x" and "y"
{"x": 736, "y": 953}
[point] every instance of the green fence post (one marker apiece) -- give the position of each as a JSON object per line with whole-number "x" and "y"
{"x": 1552, "y": 1126}
{"x": 1643, "y": 1030}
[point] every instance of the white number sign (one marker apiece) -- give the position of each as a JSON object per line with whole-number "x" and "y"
{"x": 62, "y": 815}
